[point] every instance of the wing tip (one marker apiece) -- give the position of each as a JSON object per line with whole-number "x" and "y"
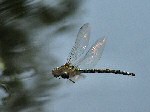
{"x": 85, "y": 25}
{"x": 102, "y": 39}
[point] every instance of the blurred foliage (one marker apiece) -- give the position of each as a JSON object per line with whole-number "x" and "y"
{"x": 17, "y": 19}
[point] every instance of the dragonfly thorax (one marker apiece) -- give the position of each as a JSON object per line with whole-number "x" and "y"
{"x": 65, "y": 75}
{"x": 66, "y": 71}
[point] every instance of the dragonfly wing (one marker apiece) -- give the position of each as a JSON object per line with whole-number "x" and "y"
{"x": 93, "y": 55}
{"x": 76, "y": 78}
{"x": 80, "y": 45}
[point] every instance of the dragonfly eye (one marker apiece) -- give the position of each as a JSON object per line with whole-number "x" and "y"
{"x": 65, "y": 75}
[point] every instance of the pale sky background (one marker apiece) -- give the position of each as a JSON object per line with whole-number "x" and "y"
{"x": 126, "y": 24}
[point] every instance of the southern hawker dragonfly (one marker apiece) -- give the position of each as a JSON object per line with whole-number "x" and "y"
{"x": 79, "y": 61}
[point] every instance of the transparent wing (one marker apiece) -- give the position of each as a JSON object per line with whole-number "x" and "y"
{"x": 93, "y": 55}
{"x": 80, "y": 45}
{"x": 76, "y": 78}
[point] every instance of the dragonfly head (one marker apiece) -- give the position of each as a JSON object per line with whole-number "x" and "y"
{"x": 55, "y": 72}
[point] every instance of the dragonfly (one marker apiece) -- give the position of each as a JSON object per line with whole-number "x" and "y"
{"x": 81, "y": 60}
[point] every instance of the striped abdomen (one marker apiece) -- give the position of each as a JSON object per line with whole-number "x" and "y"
{"x": 106, "y": 71}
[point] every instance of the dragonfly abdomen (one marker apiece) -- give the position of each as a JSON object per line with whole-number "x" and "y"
{"x": 106, "y": 71}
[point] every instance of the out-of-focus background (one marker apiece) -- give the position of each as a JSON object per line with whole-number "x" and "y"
{"x": 37, "y": 35}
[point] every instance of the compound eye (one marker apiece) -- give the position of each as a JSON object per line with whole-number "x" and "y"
{"x": 65, "y": 75}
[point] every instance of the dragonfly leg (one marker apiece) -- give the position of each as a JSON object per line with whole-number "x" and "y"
{"x": 72, "y": 81}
